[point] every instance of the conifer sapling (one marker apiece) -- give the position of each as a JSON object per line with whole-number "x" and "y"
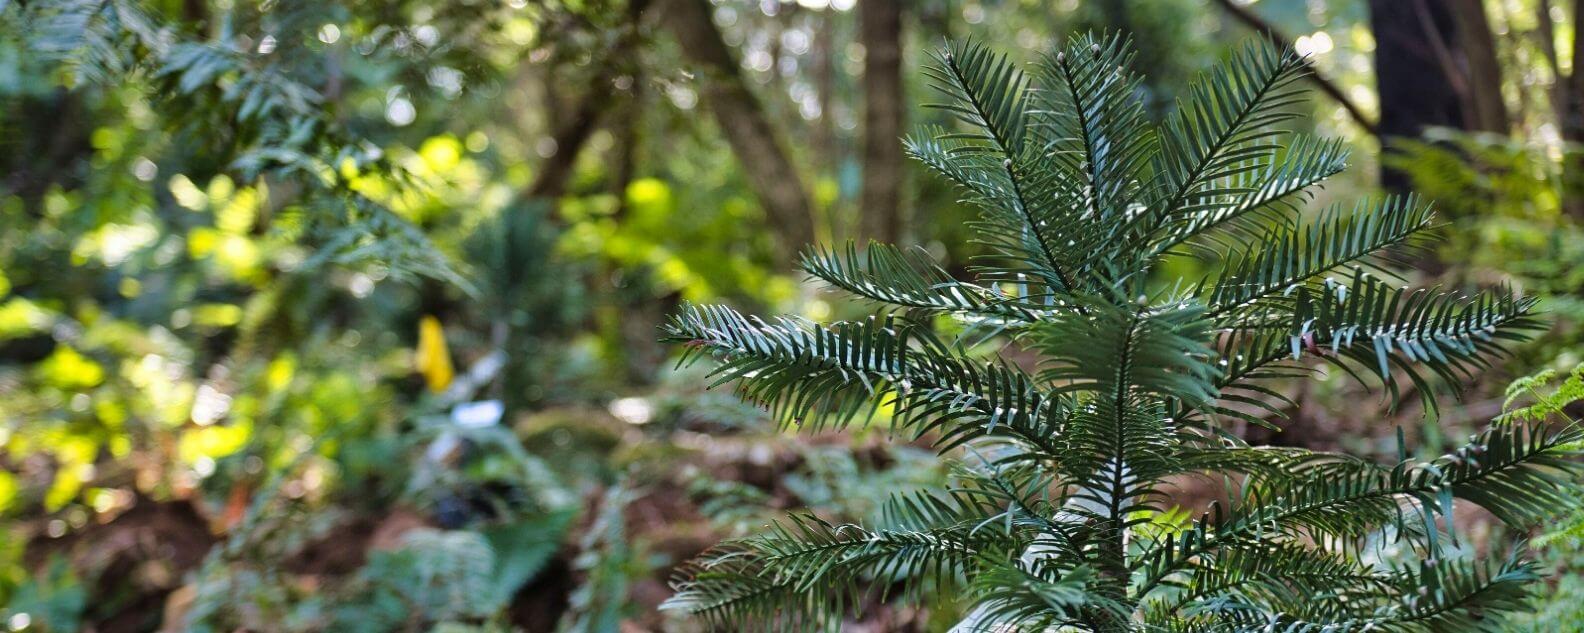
{"x": 1063, "y": 471}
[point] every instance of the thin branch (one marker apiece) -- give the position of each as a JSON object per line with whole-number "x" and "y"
{"x": 1269, "y": 32}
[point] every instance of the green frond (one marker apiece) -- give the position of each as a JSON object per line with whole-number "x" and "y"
{"x": 1017, "y": 497}
{"x": 807, "y": 551}
{"x": 1280, "y": 578}
{"x": 1020, "y": 596}
{"x": 1375, "y": 325}
{"x": 260, "y": 94}
{"x": 728, "y": 590}
{"x": 909, "y": 279}
{"x": 1460, "y": 595}
{"x": 1225, "y": 127}
{"x": 1520, "y": 476}
{"x": 1115, "y": 455}
{"x": 1240, "y": 204}
{"x": 1010, "y": 180}
{"x": 799, "y": 370}
{"x": 1550, "y": 397}
{"x": 355, "y": 230}
{"x": 1023, "y": 256}
{"x": 1366, "y": 323}
{"x": 1263, "y": 463}
{"x": 1285, "y": 257}
{"x": 963, "y": 403}
{"x": 987, "y": 92}
{"x": 835, "y": 374}
{"x": 1129, "y": 348}
{"x": 1096, "y": 124}
{"x": 97, "y": 41}
{"x": 1248, "y": 360}
{"x": 805, "y": 572}
{"x": 1123, "y": 362}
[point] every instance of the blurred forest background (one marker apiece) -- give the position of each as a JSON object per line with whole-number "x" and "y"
{"x": 342, "y": 316}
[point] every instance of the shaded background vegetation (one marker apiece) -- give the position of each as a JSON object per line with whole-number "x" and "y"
{"x": 342, "y": 315}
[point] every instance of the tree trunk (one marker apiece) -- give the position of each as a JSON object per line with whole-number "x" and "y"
{"x": 824, "y": 71}
{"x": 628, "y": 139}
{"x": 1415, "y": 89}
{"x": 881, "y": 33}
{"x": 574, "y": 130}
{"x": 553, "y": 174}
{"x": 1570, "y": 113}
{"x": 1485, "y": 101}
{"x": 742, "y": 119}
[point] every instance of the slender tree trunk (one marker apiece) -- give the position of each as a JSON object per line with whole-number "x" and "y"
{"x": 776, "y": 27}
{"x": 1573, "y": 118}
{"x": 627, "y": 134}
{"x": 574, "y": 129}
{"x": 196, "y": 14}
{"x": 824, "y": 70}
{"x": 569, "y": 138}
{"x": 1545, "y": 36}
{"x": 881, "y": 33}
{"x": 742, "y": 119}
{"x": 1570, "y": 114}
{"x": 1485, "y": 101}
{"x": 1567, "y": 102}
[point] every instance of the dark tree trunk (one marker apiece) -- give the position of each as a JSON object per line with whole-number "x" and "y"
{"x": 824, "y": 54}
{"x": 742, "y": 119}
{"x": 1416, "y": 91}
{"x": 569, "y": 138}
{"x": 1489, "y": 110}
{"x": 881, "y": 33}
{"x": 196, "y": 14}
{"x": 1570, "y": 113}
{"x": 627, "y": 132}
{"x": 573, "y": 130}
{"x": 936, "y": 19}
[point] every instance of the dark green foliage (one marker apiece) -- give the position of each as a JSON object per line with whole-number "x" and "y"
{"x": 1057, "y": 514}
